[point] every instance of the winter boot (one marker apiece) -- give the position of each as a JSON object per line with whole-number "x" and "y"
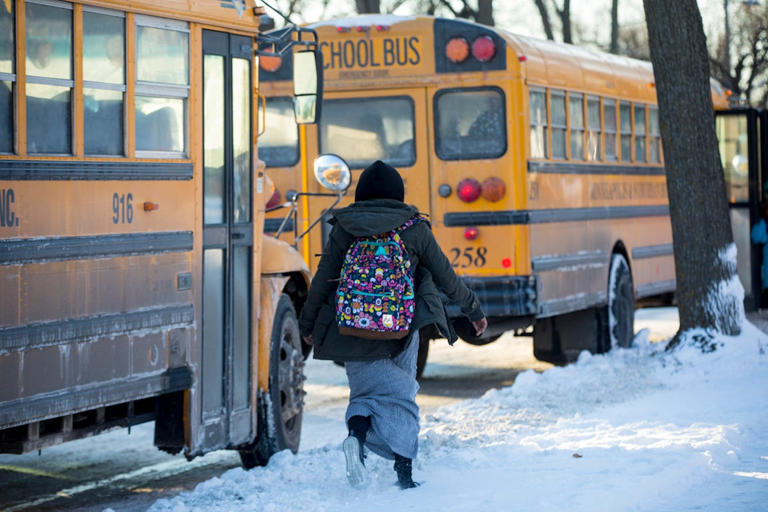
{"x": 353, "y": 451}
{"x": 404, "y": 470}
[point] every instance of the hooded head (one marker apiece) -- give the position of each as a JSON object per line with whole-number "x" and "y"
{"x": 380, "y": 181}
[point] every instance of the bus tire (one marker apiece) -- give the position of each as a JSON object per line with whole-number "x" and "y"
{"x": 280, "y": 408}
{"x": 618, "y": 316}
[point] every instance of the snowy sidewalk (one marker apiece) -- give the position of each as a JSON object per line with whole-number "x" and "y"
{"x": 637, "y": 429}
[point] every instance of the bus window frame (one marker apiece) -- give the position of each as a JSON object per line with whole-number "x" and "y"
{"x": 530, "y": 124}
{"x": 436, "y": 122}
{"x": 359, "y": 98}
{"x": 581, "y": 96}
{"x": 106, "y": 86}
{"x": 616, "y": 133}
{"x": 630, "y": 133}
{"x": 51, "y": 81}
{"x": 590, "y": 99}
{"x": 644, "y": 107}
{"x": 148, "y": 89}
{"x": 298, "y": 141}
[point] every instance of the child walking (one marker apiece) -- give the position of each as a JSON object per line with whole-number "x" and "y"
{"x": 382, "y": 413}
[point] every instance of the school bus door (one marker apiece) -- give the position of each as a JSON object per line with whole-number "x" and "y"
{"x": 342, "y": 130}
{"x": 742, "y": 142}
{"x": 227, "y": 242}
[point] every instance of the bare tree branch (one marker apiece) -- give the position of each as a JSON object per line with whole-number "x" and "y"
{"x": 545, "y": 21}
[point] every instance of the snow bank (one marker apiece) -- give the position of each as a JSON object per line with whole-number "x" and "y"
{"x": 636, "y": 429}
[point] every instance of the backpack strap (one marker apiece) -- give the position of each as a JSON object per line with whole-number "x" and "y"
{"x": 410, "y": 222}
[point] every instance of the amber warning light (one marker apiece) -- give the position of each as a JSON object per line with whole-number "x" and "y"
{"x": 270, "y": 63}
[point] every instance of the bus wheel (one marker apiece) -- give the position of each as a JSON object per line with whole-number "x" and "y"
{"x": 280, "y": 408}
{"x": 620, "y": 312}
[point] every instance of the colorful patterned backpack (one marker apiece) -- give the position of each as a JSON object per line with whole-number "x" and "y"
{"x": 375, "y": 297}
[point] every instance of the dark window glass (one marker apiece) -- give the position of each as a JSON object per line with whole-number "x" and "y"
{"x": 609, "y": 114}
{"x": 470, "y": 124}
{"x": 538, "y": 104}
{"x": 559, "y": 127}
{"x": 103, "y": 70}
{"x": 213, "y": 329}
{"x": 49, "y": 75}
{"x": 49, "y": 41}
{"x": 103, "y": 48}
{"x": 6, "y": 117}
{"x": 6, "y": 37}
{"x": 213, "y": 139}
{"x": 593, "y": 129}
{"x": 103, "y": 121}
{"x": 162, "y": 55}
{"x": 279, "y": 144}
{"x": 241, "y": 139}
{"x": 625, "y": 125}
{"x": 49, "y": 119}
{"x": 368, "y": 129}
{"x": 655, "y": 136}
{"x": 639, "y": 133}
{"x": 576, "y": 113}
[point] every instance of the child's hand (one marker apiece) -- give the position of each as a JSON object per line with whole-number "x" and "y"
{"x": 480, "y": 325}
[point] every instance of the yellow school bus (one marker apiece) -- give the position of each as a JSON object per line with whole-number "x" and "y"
{"x": 135, "y": 283}
{"x": 539, "y": 163}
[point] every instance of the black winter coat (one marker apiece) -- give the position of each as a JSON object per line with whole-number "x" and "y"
{"x": 432, "y": 270}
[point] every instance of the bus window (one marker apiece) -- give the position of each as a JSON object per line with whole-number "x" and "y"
{"x": 576, "y": 113}
{"x": 7, "y": 77}
{"x": 104, "y": 76}
{"x": 733, "y": 138}
{"x": 640, "y": 133}
{"x": 470, "y": 123}
{"x": 367, "y": 129}
{"x": 279, "y": 144}
{"x": 609, "y": 116}
{"x": 49, "y": 78}
{"x": 162, "y": 86}
{"x": 559, "y": 127}
{"x": 655, "y": 135}
{"x": 625, "y": 123}
{"x": 593, "y": 128}
{"x": 538, "y": 124}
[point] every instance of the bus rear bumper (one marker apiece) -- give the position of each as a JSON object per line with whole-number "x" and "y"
{"x": 505, "y": 296}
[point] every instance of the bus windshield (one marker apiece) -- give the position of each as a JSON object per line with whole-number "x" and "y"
{"x": 367, "y": 129}
{"x": 279, "y": 145}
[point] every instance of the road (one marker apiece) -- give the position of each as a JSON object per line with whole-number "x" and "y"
{"x": 122, "y": 470}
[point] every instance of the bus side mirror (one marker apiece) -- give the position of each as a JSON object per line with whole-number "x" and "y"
{"x": 332, "y": 172}
{"x": 307, "y": 86}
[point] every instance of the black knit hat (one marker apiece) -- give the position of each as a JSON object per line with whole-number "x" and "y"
{"x": 380, "y": 181}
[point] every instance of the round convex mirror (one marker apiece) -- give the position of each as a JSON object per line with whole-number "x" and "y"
{"x": 332, "y": 172}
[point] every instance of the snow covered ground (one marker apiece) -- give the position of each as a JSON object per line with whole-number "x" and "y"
{"x": 637, "y": 429}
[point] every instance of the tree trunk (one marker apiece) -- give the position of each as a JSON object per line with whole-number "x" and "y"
{"x": 545, "y": 21}
{"x": 695, "y": 181}
{"x": 485, "y": 12}
{"x": 368, "y": 6}
{"x": 614, "y": 26}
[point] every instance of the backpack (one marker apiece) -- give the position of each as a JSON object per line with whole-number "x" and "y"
{"x": 375, "y": 297}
